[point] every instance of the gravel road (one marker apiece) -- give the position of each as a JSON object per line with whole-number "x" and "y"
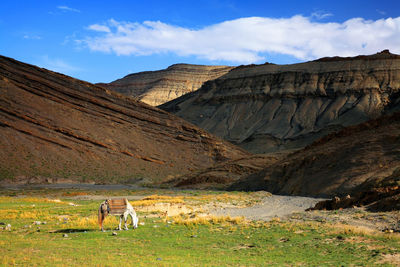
{"x": 270, "y": 207}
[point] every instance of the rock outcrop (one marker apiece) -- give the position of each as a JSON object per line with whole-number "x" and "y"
{"x": 266, "y": 108}
{"x": 158, "y": 87}
{"x": 56, "y": 127}
{"x": 374, "y": 194}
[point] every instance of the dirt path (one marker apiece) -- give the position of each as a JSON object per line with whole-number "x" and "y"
{"x": 270, "y": 207}
{"x": 293, "y": 208}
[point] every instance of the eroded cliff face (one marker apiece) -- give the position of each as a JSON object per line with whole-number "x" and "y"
{"x": 265, "y": 108}
{"x": 158, "y": 87}
{"x": 55, "y": 127}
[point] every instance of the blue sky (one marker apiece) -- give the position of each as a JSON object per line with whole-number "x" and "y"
{"x": 100, "y": 41}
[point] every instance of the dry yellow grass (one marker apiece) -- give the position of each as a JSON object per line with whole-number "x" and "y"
{"x": 208, "y": 219}
{"x": 90, "y": 222}
{"x": 360, "y": 230}
{"x": 175, "y": 205}
{"x": 22, "y": 214}
{"x": 5, "y": 199}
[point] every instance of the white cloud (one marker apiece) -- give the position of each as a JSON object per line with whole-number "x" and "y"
{"x": 99, "y": 28}
{"x": 32, "y": 37}
{"x": 66, "y": 8}
{"x": 381, "y": 12}
{"x": 321, "y": 14}
{"x": 248, "y": 40}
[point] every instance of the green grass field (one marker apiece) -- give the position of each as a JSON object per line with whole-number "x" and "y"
{"x": 182, "y": 240}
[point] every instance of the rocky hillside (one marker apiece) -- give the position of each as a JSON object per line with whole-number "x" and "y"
{"x": 356, "y": 160}
{"x": 266, "y": 108}
{"x": 56, "y": 127}
{"x": 158, "y": 87}
{"x": 361, "y": 160}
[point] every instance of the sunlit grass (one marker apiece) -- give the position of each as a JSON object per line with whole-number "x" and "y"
{"x": 208, "y": 219}
{"x": 189, "y": 238}
{"x": 32, "y": 200}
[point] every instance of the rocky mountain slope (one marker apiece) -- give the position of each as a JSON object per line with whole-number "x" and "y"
{"x": 354, "y": 160}
{"x": 224, "y": 174}
{"x": 266, "y": 108}
{"x": 158, "y": 87}
{"x": 56, "y": 127}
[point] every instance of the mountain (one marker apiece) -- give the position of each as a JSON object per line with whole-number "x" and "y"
{"x": 158, "y": 87}
{"x": 354, "y": 160}
{"x": 54, "y": 127}
{"x": 267, "y": 108}
{"x": 361, "y": 160}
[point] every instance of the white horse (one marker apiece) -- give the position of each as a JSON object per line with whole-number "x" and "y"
{"x": 119, "y": 207}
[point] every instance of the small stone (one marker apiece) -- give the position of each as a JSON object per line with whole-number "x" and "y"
{"x": 114, "y": 233}
{"x": 37, "y": 222}
{"x": 155, "y": 226}
{"x": 159, "y": 259}
{"x": 44, "y": 222}
{"x": 141, "y": 223}
{"x": 65, "y": 235}
{"x": 193, "y": 236}
{"x": 8, "y": 227}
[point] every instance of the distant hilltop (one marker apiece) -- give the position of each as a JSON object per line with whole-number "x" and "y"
{"x": 157, "y": 87}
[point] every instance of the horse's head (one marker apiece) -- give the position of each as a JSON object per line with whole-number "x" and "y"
{"x": 103, "y": 212}
{"x": 104, "y": 207}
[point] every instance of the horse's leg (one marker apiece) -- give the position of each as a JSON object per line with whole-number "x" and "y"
{"x": 125, "y": 220}
{"x": 120, "y": 220}
{"x": 101, "y": 225}
{"x": 134, "y": 219}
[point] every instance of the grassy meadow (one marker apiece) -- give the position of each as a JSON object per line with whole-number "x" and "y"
{"x": 59, "y": 228}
